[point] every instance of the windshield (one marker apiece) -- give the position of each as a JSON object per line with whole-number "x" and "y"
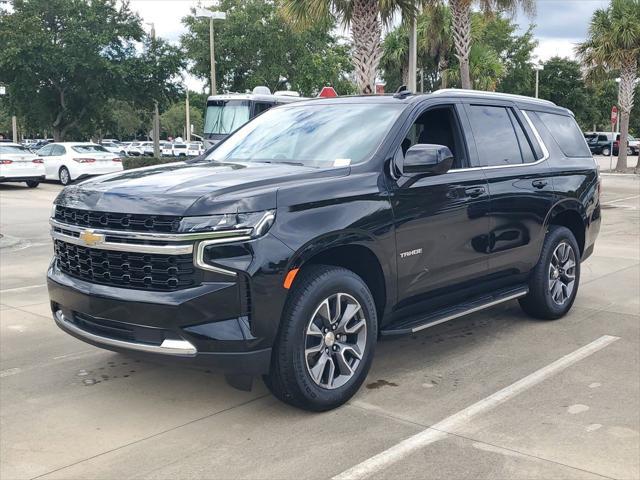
{"x": 311, "y": 135}
{"x": 89, "y": 148}
{"x": 224, "y": 116}
{"x": 12, "y": 149}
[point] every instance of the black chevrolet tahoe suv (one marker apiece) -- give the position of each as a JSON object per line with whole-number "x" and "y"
{"x": 320, "y": 226}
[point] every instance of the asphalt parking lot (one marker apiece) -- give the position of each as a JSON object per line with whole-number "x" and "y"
{"x": 492, "y": 395}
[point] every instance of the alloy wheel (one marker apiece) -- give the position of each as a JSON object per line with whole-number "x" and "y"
{"x": 335, "y": 341}
{"x": 562, "y": 273}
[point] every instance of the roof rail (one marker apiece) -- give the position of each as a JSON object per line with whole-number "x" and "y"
{"x": 482, "y": 93}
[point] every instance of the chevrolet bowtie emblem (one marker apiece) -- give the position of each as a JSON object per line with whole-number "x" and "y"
{"x": 90, "y": 238}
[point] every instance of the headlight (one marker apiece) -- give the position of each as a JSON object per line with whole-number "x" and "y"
{"x": 53, "y": 211}
{"x": 258, "y": 222}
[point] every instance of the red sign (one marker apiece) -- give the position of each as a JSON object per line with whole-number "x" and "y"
{"x": 614, "y": 115}
{"x": 328, "y": 92}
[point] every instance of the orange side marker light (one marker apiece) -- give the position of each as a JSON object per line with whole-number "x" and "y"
{"x": 288, "y": 280}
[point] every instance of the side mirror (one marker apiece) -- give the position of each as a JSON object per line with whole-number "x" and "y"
{"x": 426, "y": 158}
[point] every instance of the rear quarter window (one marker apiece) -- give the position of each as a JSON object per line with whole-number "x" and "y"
{"x": 566, "y": 133}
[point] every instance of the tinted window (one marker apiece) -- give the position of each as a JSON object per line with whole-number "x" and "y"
{"x": 602, "y": 138}
{"x": 45, "y": 151}
{"x": 494, "y": 135}
{"x": 13, "y": 149}
{"x": 566, "y": 133}
{"x": 89, "y": 148}
{"x": 260, "y": 107}
{"x": 525, "y": 146}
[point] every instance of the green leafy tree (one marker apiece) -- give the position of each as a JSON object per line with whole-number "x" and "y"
{"x": 63, "y": 61}
{"x": 613, "y": 43}
{"x": 173, "y": 120}
{"x": 255, "y": 46}
{"x": 462, "y": 25}
{"x": 364, "y": 19}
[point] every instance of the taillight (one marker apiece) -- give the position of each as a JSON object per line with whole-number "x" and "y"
{"x": 84, "y": 160}
{"x": 117, "y": 159}
{"x": 616, "y": 144}
{"x": 37, "y": 160}
{"x": 5, "y": 162}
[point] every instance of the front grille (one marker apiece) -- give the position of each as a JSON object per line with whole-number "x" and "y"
{"x": 126, "y": 269}
{"x": 118, "y": 221}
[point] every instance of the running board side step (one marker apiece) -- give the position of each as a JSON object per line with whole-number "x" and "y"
{"x": 421, "y": 322}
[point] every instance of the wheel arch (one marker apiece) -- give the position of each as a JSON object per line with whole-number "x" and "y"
{"x": 570, "y": 213}
{"x": 354, "y": 251}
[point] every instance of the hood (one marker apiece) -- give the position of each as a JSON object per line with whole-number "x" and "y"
{"x": 190, "y": 188}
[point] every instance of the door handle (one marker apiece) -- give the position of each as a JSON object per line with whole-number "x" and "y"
{"x": 474, "y": 192}
{"x": 539, "y": 183}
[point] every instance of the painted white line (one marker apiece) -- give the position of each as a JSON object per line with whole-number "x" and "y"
{"x": 621, "y": 199}
{"x": 17, "y": 289}
{"x": 450, "y": 424}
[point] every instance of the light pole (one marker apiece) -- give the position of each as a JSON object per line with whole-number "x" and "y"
{"x": 204, "y": 13}
{"x": 413, "y": 56}
{"x": 537, "y": 67}
{"x": 187, "y": 118}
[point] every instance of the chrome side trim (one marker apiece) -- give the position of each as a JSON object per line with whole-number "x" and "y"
{"x": 163, "y": 237}
{"x": 198, "y": 258}
{"x": 471, "y": 310}
{"x": 543, "y": 147}
{"x": 127, "y": 247}
{"x": 168, "y": 347}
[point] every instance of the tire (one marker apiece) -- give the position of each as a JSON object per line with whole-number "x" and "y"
{"x": 64, "y": 176}
{"x": 320, "y": 288}
{"x": 32, "y": 183}
{"x": 606, "y": 151}
{"x": 548, "y": 299}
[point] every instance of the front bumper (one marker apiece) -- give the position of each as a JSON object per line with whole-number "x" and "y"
{"x": 198, "y": 326}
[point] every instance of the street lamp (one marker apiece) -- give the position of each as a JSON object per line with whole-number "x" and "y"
{"x": 204, "y": 13}
{"x": 537, "y": 67}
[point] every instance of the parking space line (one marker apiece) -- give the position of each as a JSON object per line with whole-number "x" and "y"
{"x": 621, "y": 200}
{"x": 442, "y": 429}
{"x": 17, "y": 289}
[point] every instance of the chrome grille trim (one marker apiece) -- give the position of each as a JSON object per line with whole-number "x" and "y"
{"x": 148, "y": 236}
{"x": 127, "y": 247}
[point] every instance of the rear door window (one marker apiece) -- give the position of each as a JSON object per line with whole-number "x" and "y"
{"x": 494, "y": 134}
{"x": 566, "y": 133}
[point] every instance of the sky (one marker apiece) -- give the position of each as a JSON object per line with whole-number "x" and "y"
{"x": 559, "y": 24}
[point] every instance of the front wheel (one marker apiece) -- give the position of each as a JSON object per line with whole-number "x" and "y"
{"x": 554, "y": 281}
{"x": 326, "y": 341}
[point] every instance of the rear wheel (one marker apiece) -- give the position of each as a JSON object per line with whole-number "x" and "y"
{"x": 554, "y": 282}
{"x": 64, "y": 176}
{"x": 606, "y": 151}
{"x": 326, "y": 342}
{"x": 32, "y": 183}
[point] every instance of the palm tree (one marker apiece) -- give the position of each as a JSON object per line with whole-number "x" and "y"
{"x": 613, "y": 43}
{"x": 461, "y": 11}
{"x": 365, "y": 19}
{"x": 434, "y": 36}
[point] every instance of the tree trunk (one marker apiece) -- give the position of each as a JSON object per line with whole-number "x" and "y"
{"x": 366, "y": 32}
{"x": 461, "y": 10}
{"x": 621, "y": 165}
{"x": 443, "y": 66}
{"x": 625, "y": 100}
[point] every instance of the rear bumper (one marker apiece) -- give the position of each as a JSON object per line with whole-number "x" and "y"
{"x": 22, "y": 178}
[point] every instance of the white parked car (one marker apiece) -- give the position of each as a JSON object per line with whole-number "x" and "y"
{"x": 167, "y": 149}
{"x": 117, "y": 148}
{"x": 68, "y": 161}
{"x": 180, "y": 150}
{"x": 134, "y": 149}
{"x": 195, "y": 149}
{"x": 17, "y": 164}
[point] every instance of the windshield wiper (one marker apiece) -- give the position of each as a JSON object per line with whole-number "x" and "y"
{"x": 286, "y": 162}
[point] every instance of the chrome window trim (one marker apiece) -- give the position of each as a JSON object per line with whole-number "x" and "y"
{"x": 127, "y": 247}
{"x": 168, "y": 346}
{"x": 536, "y": 134}
{"x": 163, "y": 237}
{"x": 198, "y": 257}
